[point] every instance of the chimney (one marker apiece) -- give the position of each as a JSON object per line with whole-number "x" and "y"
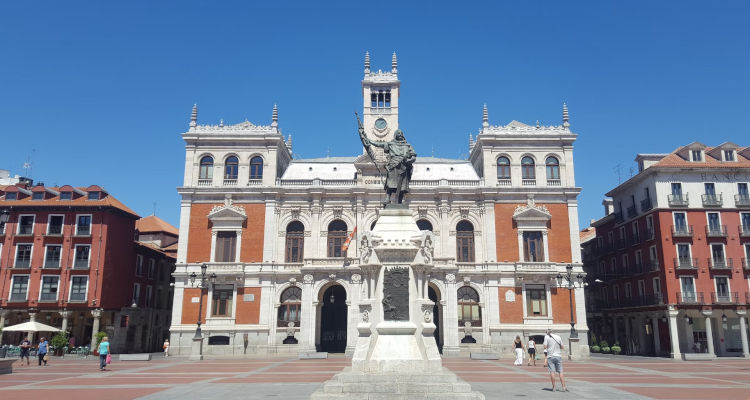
{"x": 609, "y": 206}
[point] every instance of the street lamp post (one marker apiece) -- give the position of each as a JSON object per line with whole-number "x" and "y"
{"x": 571, "y": 284}
{"x": 202, "y": 285}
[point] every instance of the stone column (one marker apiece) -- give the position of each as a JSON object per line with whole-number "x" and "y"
{"x": 655, "y": 329}
{"x": 451, "y": 339}
{"x": 65, "y": 314}
{"x": 97, "y": 314}
{"x": 3, "y": 315}
{"x": 641, "y": 336}
{"x": 614, "y": 330}
{"x": 709, "y": 333}
{"x": 32, "y": 317}
{"x": 628, "y": 336}
{"x": 743, "y": 333}
{"x": 307, "y": 315}
{"x": 674, "y": 336}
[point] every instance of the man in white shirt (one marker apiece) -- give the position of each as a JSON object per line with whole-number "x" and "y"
{"x": 553, "y": 358}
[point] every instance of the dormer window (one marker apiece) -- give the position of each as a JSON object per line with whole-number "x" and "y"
{"x": 728, "y": 155}
{"x": 66, "y": 195}
{"x": 697, "y": 155}
{"x": 380, "y": 98}
{"x": 11, "y": 196}
{"x": 37, "y": 196}
{"x": 93, "y": 196}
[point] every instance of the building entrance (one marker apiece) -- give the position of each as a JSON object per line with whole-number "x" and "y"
{"x": 436, "y": 317}
{"x": 333, "y": 318}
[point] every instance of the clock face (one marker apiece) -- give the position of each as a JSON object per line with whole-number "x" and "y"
{"x": 380, "y": 124}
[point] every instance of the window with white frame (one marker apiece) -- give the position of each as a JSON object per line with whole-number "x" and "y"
{"x": 49, "y": 288}
{"x": 2, "y": 228}
{"x": 717, "y": 255}
{"x": 23, "y": 255}
{"x": 636, "y": 232}
{"x": 533, "y": 246}
{"x": 138, "y": 265}
{"x": 78, "y": 288}
{"x": 746, "y": 262}
{"x": 613, "y": 265}
{"x": 625, "y": 263}
{"x": 745, "y": 223}
{"x": 468, "y": 306}
{"x": 226, "y": 246}
{"x": 136, "y": 294}
{"x": 65, "y": 196}
{"x": 628, "y": 290}
{"x": 641, "y": 288}
{"x": 149, "y": 294}
{"x": 687, "y": 285}
{"x": 52, "y": 256}
{"x": 536, "y": 301}
{"x": 728, "y": 155}
{"x": 638, "y": 259}
{"x": 55, "y": 224}
{"x": 653, "y": 256}
{"x": 650, "y": 232}
{"x": 616, "y": 292}
{"x": 82, "y": 256}
{"x": 83, "y": 225}
{"x": 697, "y": 155}
{"x": 714, "y": 222}
{"x": 680, "y": 222}
{"x": 656, "y": 286}
{"x": 19, "y": 288}
{"x": 723, "y": 295}
{"x": 151, "y": 268}
{"x": 611, "y": 238}
{"x": 221, "y": 300}
{"x": 683, "y": 254}
{"x": 742, "y": 191}
{"x": 26, "y": 224}
{"x": 291, "y": 303}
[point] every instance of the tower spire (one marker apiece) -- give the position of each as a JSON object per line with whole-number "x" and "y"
{"x": 566, "y": 121}
{"x": 367, "y": 62}
{"x": 275, "y": 117}
{"x": 485, "y": 117}
{"x": 289, "y": 143}
{"x": 471, "y": 142}
{"x": 194, "y": 116}
{"x": 394, "y": 63}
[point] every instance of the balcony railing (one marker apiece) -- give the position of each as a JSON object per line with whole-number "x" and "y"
{"x": 528, "y": 182}
{"x": 712, "y": 200}
{"x": 690, "y": 297}
{"x": 646, "y": 205}
{"x": 204, "y": 182}
{"x": 678, "y": 200}
{"x": 741, "y": 200}
{"x": 744, "y": 230}
{"x": 651, "y": 266}
{"x": 48, "y": 297}
{"x": 51, "y": 263}
{"x": 81, "y": 264}
{"x": 650, "y": 233}
{"x": 17, "y": 297}
{"x": 721, "y": 263}
{"x": 716, "y": 230}
{"x": 554, "y": 182}
{"x": 254, "y": 182}
{"x": 632, "y": 212}
{"x": 686, "y": 263}
{"x": 640, "y": 301}
{"x": 230, "y": 182}
{"x": 635, "y": 239}
{"x": 22, "y": 263}
{"x": 504, "y": 182}
{"x": 682, "y": 231}
{"x": 725, "y": 297}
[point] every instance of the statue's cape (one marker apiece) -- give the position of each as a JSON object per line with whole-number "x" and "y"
{"x": 400, "y": 149}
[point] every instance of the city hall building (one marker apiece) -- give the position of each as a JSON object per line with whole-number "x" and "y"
{"x": 272, "y": 232}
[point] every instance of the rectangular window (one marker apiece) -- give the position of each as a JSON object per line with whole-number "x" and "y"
{"x": 625, "y": 263}
{"x": 628, "y": 290}
{"x": 221, "y": 301}
{"x": 638, "y": 259}
{"x": 613, "y": 265}
{"x": 83, "y": 225}
{"x": 533, "y": 247}
{"x": 55, "y": 225}
{"x": 52, "y": 256}
{"x": 653, "y": 255}
{"x": 688, "y": 288}
{"x": 683, "y": 254}
{"x": 742, "y": 190}
{"x": 78, "y": 287}
{"x": 616, "y": 292}
{"x": 697, "y": 156}
{"x": 11, "y": 196}
{"x": 722, "y": 288}
{"x": 136, "y": 294}
{"x": 611, "y": 238}
{"x": 49, "y": 288}
{"x": 151, "y": 268}
{"x": 37, "y": 196}
{"x": 2, "y": 228}
{"x": 710, "y": 189}
{"x": 66, "y": 195}
{"x": 636, "y": 232}
{"x": 717, "y": 255}
{"x": 23, "y": 256}
{"x": 149, "y": 293}
{"x": 138, "y": 265}
{"x": 26, "y": 225}
{"x": 158, "y": 298}
{"x": 745, "y": 220}
{"x": 656, "y": 286}
{"x": 19, "y": 288}
{"x": 728, "y": 155}
{"x": 650, "y": 233}
{"x": 680, "y": 222}
{"x": 713, "y": 222}
{"x": 641, "y": 288}
{"x": 536, "y": 301}
{"x": 226, "y": 246}
{"x": 93, "y": 195}
{"x": 82, "y": 256}
{"x": 676, "y": 189}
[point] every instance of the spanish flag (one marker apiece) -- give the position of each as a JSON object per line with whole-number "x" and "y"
{"x": 345, "y": 246}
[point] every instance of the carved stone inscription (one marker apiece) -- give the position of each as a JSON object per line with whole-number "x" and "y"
{"x": 396, "y": 294}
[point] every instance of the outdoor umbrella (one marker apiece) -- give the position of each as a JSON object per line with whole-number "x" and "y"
{"x": 31, "y": 326}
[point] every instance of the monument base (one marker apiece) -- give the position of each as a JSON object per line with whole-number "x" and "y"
{"x": 443, "y": 385}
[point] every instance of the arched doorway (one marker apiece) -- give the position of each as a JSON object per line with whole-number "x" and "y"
{"x": 432, "y": 294}
{"x": 333, "y": 317}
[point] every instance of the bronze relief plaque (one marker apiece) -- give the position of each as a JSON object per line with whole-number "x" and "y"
{"x": 396, "y": 294}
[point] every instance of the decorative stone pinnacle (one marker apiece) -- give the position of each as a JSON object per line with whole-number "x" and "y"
{"x": 194, "y": 116}
{"x": 394, "y": 63}
{"x": 221, "y": 123}
{"x": 485, "y": 116}
{"x": 367, "y": 62}
{"x": 275, "y": 116}
{"x": 471, "y": 142}
{"x": 289, "y": 142}
{"x": 566, "y": 120}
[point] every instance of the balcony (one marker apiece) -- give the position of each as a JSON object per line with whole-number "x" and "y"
{"x": 682, "y": 231}
{"x": 22, "y": 264}
{"x": 725, "y": 298}
{"x": 721, "y": 264}
{"x": 712, "y": 200}
{"x": 635, "y": 239}
{"x": 646, "y": 205}
{"x": 716, "y": 231}
{"x": 632, "y": 212}
{"x": 554, "y": 182}
{"x": 630, "y": 302}
{"x": 651, "y": 266}
{"x": 650, "y": 233}
{"x": 742, "y": 200}
{"x": 528, "y": 182}
{"x": 678, "y": 200}
{"x": 690, "y": 298}
{"x": 504, "y": 182}
{"x": 684, "y": 263}
{"x": 744, "y": 230}
{"x": 51, "y": 264}
{"x": 230, "y": 182}
{"x": 81, "y": 264}
{"x": 205, "y": 182}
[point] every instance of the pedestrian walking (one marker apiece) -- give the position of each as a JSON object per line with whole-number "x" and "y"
{"x": 553, "y": 358}
{"x": 519, "y": 351}
{"x": 532, "y": 351}
{"x": 166, "y": 348}
{"x": 103, "y": 353}
{"x": 25, "y": 349}
{"x": 42, "y": 351}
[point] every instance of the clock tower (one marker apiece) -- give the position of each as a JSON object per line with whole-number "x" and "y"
{"x": 380, "y": 90}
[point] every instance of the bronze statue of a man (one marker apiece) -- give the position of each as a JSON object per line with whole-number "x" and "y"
{"x": 400, "y": 157}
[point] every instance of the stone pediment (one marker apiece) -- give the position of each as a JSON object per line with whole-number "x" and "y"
{"x": 227, "y": 212}
{"x": 531, "y": 212}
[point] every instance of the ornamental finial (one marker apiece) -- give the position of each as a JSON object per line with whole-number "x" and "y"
{"x": 566, "y": 120}
{"x": 394, "y": 63}
{"x": 194, "y": 116}
{"x": 485, "y": 116}
{"x": 289, "y": 143}
{"x": 471, "y": 142}
{"x": 275, "y": 116}
{"x": 367, "y": 62}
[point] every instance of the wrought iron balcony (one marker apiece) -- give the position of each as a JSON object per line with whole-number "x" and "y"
{"x": 685, "y": 263}
{"x": 646, "y": 205}
{"x": 682, "y": 230}
{"x": 690, "y": 297}
{"x": 741, "y": 200}
{"x": 80, "y": 264}
{"x": 632, "y": 212}
{"x": 725, "y": 297}
{"x": 23, "y": 264}
{"x": 716, "y": 230}
{"x": 678, "y": 200}
{"x": 51, "y": 263}
{"x": 651, "y": 266}
{"x": 721, "y": 263}
{"x": 744, "y": 230}
{"x": 712, "y": 200}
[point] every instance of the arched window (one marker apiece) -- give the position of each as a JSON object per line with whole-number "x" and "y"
{"x": 231, "y": 165}
{"x": 256, "y": 168}
{"x": 424, "y": 225}
{"x": 468, "y": 306}
{"x": 206, "y": 168}
{"x": 465, "y": 242}
{"x": 291, "y": 303}
{"x": 336, "y": 237}
{"x": 527, "y": 168}
{"x": 503, "y": 168}
{"x": 553, "y": 168}
{"x": 295, "y": 242}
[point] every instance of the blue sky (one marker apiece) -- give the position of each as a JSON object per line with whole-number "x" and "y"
{"x": 99, "y": 92}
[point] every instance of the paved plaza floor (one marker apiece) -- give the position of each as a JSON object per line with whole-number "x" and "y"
{"x": 290, "y": 379}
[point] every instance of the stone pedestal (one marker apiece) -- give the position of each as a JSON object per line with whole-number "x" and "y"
{"x": 574, "y": 349}
{"x": 396, "y": 356}
{"x": 196, "y": 349}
